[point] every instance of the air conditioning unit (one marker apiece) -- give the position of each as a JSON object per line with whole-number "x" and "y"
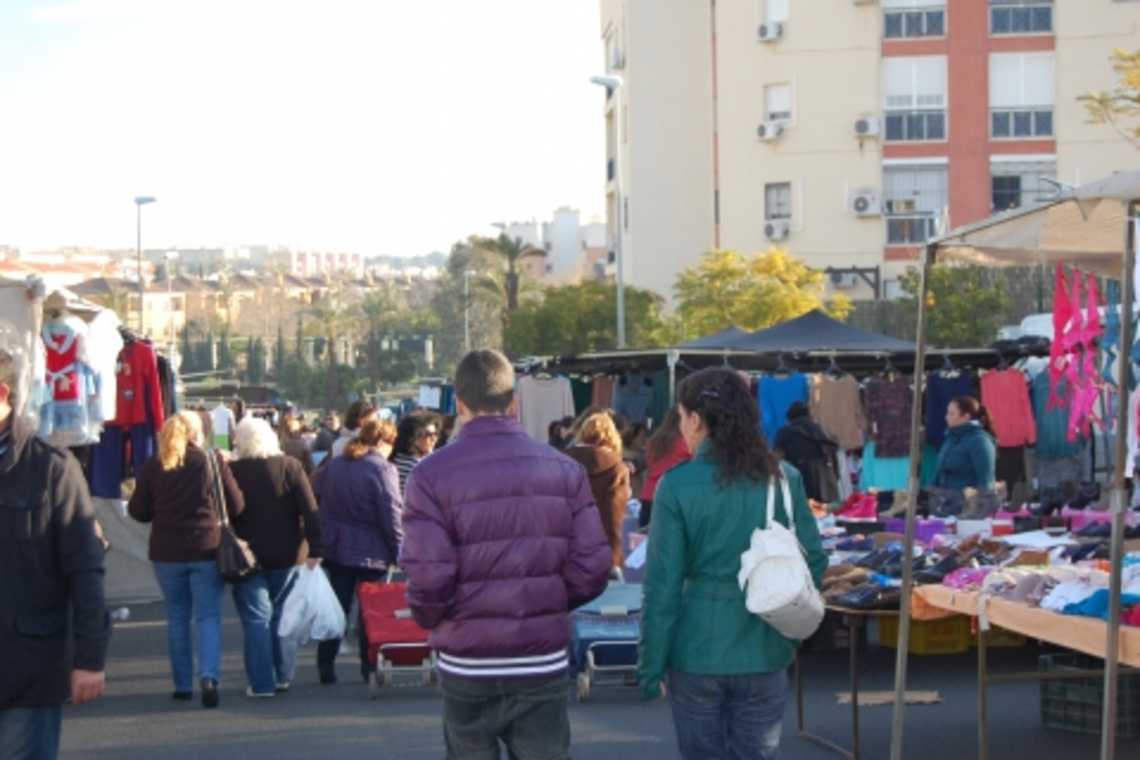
{"x": 866, "y": 203}
{"x": 617, "y": 60}
{"x": 776, "y": 229}
{"x": 867, "y": 126}
{"x": 843, "y": 279}
{"x": 771, "y": 32}
{"x": 769, "y": 130}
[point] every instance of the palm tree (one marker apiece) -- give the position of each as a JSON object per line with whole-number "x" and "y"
{"x": 512, "y": 251}
{"x": 117, "y": 300}
{"x": 331, "y": 319}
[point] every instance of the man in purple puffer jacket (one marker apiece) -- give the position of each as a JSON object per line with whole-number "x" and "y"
{"x": 501, "y": 540}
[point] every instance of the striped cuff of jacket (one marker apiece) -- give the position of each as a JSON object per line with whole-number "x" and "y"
{"x": 504, "y": 667}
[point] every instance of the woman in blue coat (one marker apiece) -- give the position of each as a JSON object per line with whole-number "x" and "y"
{"x": 969, "y": 453}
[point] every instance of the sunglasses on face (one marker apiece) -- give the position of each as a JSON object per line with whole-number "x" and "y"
{"x": 430, "y": 434}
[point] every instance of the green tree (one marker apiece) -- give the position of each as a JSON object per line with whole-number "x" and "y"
{"x": 117, "y": 300}
{"x": 510, "y": 251}
{"x": 578, "y": 318}
{"x": 1121, "y": 105}
{"x": 381, "y": 309}
{"x": 753, "y": 292}
{"x": 964, "y": 307}
{"x": 225, "y": 351}
{"x": 332, "y": 317}
{"x": 448, "y": 307}
{"x": 396, "y": 367}
{"x": 279, "y": 348}
{"x": 299, "y": 341}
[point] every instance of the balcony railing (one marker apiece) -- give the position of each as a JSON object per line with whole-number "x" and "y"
{"x": 910, "y": 229}
{"x": 1021, "y": 122}
{"x": 909, "y": 126}
{"x": 928, "y": 22}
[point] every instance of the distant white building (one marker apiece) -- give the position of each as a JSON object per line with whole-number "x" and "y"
{"x": 312, "y": 263}
{"x": 573, "y": 249}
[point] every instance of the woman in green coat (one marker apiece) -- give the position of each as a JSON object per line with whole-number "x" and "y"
{"x": 722, "y": 667}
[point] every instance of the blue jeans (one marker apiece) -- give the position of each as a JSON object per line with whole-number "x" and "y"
{"x": 30, "y": 733}
{"x": 192, "y": 590}
{"x": 735, "y": 717}
{"x": 529, "y": 715}
{"x": 269, "y": 659}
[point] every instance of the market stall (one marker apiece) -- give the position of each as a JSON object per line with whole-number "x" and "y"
{"x": 1093, "y": 225}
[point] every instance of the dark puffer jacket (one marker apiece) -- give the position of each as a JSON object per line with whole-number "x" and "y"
{"x": 502, "y": 540}
{"x": 360, "y": 511}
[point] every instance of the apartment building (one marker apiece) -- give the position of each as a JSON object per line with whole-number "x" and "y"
{"x": 573, "y": 247}
{"x": 845, "y": 131}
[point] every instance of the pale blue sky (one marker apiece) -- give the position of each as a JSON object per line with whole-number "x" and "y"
{"x": 379, "y": 126}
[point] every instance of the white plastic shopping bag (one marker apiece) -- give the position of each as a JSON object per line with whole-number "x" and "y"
{"x": 311, "y": 610}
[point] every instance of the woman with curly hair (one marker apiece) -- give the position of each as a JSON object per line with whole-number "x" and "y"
{"x": 175, "y": 492}
{"x": 416, "y": 436}
{"x": 722, "y": 667}
{"x": 598, "y": 449}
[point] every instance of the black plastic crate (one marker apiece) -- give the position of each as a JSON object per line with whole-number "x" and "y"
{"x": 834, "y": 635}
{"x": 1076, "y": 704}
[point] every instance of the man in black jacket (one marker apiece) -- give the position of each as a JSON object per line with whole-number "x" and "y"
{"x": 51, "y": 564}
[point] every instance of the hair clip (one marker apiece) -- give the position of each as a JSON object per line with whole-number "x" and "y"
{"x": 710, "y": 391}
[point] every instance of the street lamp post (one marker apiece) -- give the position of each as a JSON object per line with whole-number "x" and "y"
{"x": 140, "y": 201}
{"x": 612, "y": 83}
{"x": 467, "y": 311}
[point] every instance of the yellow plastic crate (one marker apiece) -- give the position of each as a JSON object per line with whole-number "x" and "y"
{"x": 948, "y": 636}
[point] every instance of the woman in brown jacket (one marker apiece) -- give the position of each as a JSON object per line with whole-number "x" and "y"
{"x": 174, "y": 491}
{"x": 597, "y": 447}
{"x": 281, "y": 524}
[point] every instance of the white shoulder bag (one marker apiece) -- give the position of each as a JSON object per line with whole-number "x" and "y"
{"x": 779, "y": 584}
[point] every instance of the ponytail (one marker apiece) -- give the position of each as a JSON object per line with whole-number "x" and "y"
{"x": 972, "y": 408}
{"x": 372, "y": 433}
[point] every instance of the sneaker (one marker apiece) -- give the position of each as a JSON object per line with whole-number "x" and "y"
{"x": 249, "y": 692}
{"x": 183, "y": 696}
{"x": 327, "y": 673}
{"x": 209, "y": 692}
{"x": 284, "y": 685}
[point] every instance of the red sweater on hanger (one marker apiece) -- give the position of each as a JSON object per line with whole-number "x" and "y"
{"x": 1005, "y": 394}
{"x": 138, "y": 394}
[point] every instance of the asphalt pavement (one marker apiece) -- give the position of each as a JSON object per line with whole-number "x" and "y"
{"x": 138, "y": 719}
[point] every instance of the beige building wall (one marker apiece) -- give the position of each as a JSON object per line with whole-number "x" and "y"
{"x": 665, "y": 156}
{"x": 829, "y": 61}
{"x": 832, "y": 60}
{"x": 1087, "y": 33}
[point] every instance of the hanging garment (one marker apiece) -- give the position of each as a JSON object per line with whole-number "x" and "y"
{"x": 1010, "y": 467}
{"x": 542, "y": 400}
{"x": 137, "y": 386}
{"x": 837, "y": 407}
{"x": 1052, "y": 422}
{"x": 633, "y": 395}
{"x": 776, "y": 394}
{"x": 941, "y": 389}
{"x": 884, "y": 473}
{"x": 1062, "y": 317}
{"x": 889, "y": 402}
{"x": 69, "y": 383}
{"x": 603, "y": 395}
{"x": 1005, "y": 394}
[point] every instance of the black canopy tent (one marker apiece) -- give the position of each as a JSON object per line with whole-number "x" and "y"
{"x": 1093, "y": 226}
{"x": 813, "y": 342}
{"x": 815, "y": 332}
{"x": 719, "y": 339}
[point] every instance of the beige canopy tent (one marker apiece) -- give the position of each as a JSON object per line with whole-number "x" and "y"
{"x": 1093, "y": 226}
